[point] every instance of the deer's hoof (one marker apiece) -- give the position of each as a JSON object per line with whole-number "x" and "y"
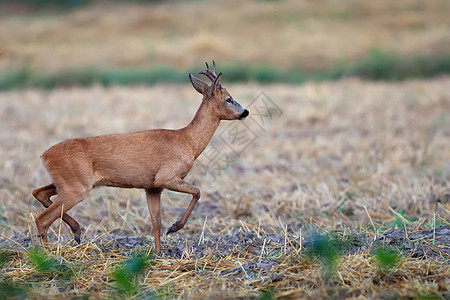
{"x": 77, "y": 239}
{"x": 174, "y": 228}
{"x": 43, "y": 238}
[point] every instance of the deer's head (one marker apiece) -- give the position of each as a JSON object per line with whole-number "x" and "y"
{"x": 222, "y": 103}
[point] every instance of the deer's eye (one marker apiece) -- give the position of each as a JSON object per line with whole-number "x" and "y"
{"x": 229, "y": 100}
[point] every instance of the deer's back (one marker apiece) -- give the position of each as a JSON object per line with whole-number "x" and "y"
{"x": 123, "y": 160}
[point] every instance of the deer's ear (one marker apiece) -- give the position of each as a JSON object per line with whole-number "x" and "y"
{"x": 198, "y": 84}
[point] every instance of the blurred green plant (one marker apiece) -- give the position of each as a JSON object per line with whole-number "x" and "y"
{"x": 48, "y": 265}
{"x": 267, "y": 294}
{"x": 5, "y": 257}
{"x": 325, "y": 251}
{"x": 429, "y": 295}
{"x": 386, "y": 259}
{"x": 400, "y": 220}
{"x": 327, "y": 248}
{"x": 387, "y": 65}
{"x": 164, "y": 292}
{"x": 9, "y": 290}
{"x": 126, "y": 275}
{"x": 377, "y": 65}
{"x": 38, "y": 4}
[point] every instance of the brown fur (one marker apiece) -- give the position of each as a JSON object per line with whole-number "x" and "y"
{"x": 152, "y": 160}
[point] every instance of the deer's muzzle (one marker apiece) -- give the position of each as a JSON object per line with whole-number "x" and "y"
{"x": 244, "y": 115}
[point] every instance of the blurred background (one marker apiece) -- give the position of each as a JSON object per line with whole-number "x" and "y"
{"x": 52, "y": 43}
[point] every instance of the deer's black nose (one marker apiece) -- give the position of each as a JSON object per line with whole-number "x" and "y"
{"x": 244, "y": 115}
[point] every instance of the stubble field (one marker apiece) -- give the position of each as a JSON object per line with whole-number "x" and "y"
{"x": 328, "y": 190}
{"x": 364, "y": 165}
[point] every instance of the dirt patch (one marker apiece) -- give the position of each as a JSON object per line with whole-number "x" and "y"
{"x": 426, "y": 244}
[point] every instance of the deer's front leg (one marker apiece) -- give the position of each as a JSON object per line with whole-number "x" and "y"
{"x": 179, "y": 185}
{"x": 154, "y": 206}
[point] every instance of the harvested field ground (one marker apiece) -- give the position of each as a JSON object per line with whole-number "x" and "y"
{"x": 365, "y": 164}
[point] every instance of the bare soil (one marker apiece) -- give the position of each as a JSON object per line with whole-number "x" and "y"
{"x": 425, "y": 244}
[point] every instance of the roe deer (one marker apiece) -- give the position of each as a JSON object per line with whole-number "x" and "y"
{"x": 153, "y": 160}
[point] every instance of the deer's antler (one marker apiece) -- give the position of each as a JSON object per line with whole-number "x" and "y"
{"x": 211, "y": 74}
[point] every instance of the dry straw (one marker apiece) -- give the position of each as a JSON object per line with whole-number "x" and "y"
{"x": 349, "y": 159}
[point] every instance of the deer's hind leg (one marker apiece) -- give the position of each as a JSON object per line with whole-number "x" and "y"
{"x": 154, "y": 206}
{"x": 65, "y": 200}
{"x": 43, "y": 195}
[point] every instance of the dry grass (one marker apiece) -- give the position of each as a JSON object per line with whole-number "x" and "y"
{"x": 336, "y": 148}
{"x": 348, "y": 156}
{"x": 311, "y": 34}
{"x": 276, "y": 269}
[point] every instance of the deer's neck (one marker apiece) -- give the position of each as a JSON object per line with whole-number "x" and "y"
{"x": 201, "y": 129}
